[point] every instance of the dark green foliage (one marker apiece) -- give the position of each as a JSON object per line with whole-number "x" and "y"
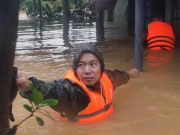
{"x": 50, "y": 9}
{"x": 28, "y": 6}
{"x": 84, "y": 11}
{"x": 81, "y": 10}
{"x": 28, "y": 108}
{"x": 39, "y": 121}
{"x": 37, "y": 101}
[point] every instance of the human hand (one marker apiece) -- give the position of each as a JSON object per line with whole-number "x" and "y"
{"x": 134, "y": 73}
{"x": 22, "y": 82}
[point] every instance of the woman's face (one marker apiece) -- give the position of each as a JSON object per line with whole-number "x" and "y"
{"x": 89, "y": 69}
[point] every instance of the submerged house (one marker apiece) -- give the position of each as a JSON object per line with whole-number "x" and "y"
{"x": 123, "y": 15}
{"x": 131, "y": 18}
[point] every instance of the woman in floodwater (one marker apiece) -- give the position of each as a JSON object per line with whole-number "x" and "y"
{"x": 85, "y": 93}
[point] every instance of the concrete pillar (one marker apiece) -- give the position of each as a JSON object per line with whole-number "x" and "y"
{"x": 139, "y": 24}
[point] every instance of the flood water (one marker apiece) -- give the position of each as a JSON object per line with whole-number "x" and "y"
{"x": 149, "y": 105}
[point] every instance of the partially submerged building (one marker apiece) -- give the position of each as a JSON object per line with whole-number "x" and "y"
{"x": 124, "y": 14}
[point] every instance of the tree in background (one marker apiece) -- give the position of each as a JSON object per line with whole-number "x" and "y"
{"x": 50, "y": 9}
{"x": 80, "y": 10}
{"x": 84, "y": 10}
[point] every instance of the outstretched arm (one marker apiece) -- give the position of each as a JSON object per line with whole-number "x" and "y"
{"x": 134, "y": 73}
{"x": 119, "y": 77}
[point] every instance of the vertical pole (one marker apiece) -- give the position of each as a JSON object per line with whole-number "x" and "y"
{"x": 65, "y": 8}
{"x": 100, "y": 25}
{"x": 40, "y": 19}
{"x": 66, "y": 13}
{"x": 139, "y": 24}
{"x": 131, "y": 17}
{"x": 40, "y": 8}
{"x": 8, "y": 35}
{"x": 34, "y": 8}
{"x": 172, "y": 13}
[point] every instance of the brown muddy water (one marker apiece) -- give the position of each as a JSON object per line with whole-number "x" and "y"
{"x": 149, "y": 105}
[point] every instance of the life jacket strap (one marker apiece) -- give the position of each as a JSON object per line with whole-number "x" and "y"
{"x": 104, "y": 109}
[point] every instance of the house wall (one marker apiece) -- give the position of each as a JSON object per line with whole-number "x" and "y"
{"x": 118, "y": 28}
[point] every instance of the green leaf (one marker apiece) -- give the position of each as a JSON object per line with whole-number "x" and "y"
{"x": 49, "y": 102}
{"x": 39, "y": 121}
{"x": 28, "y": 108}
{"x": 26, "y": 96}
{"x": 36, "y": 95}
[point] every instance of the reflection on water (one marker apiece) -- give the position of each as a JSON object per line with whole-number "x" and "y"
{"x": 50, "y": 39}
{"x": 149, "y": 105}
{"x": 160, "y": 61}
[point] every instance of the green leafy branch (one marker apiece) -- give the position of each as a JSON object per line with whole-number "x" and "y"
{"x": 37, "y": 101}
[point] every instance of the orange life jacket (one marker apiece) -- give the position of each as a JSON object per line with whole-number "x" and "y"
{"x": 160, "y": 36}
{"x": 100, "y": 106}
